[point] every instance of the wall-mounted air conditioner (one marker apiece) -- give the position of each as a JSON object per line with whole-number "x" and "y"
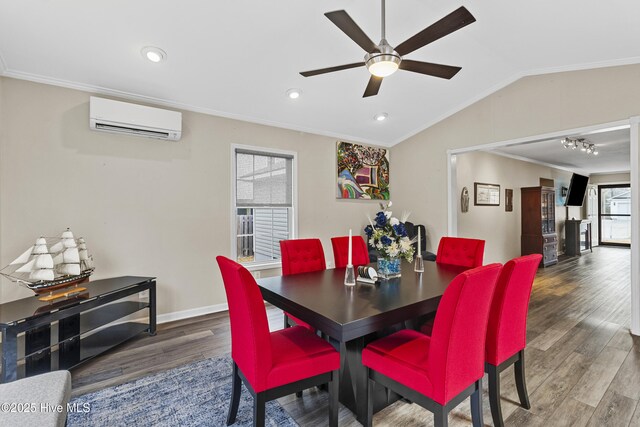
{"x": 106, "y": 115}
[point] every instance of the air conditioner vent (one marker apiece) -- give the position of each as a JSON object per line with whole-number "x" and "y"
{"x": 106, "y": 115}
{"x": 128, "y": 130}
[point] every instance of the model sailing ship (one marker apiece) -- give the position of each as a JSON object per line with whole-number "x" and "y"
{"x": 51, "y": 264}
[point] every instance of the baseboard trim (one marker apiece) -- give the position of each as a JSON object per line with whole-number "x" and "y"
{"x": 194, "y": 312}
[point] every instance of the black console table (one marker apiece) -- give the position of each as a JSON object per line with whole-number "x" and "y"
{"x": 39, "y": 337}
{"x": 577, "y": 237}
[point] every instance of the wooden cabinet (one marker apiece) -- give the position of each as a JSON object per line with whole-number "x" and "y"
{"x": 538, "y": 210}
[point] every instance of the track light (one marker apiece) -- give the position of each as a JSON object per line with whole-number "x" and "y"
{"x": 574, "y": 143}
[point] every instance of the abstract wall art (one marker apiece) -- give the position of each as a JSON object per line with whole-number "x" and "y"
{"x": 363, "y": 172}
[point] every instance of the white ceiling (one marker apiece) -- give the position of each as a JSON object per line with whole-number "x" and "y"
{"x": 613, "y": 153}
{"x": 237, "y": 58}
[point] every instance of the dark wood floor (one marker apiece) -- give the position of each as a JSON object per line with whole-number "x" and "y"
{"x": 583, "y": 366}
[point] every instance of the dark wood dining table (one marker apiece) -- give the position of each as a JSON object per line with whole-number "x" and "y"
{"x": 352, "y": 316}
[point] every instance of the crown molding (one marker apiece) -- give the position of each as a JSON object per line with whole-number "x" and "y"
{"x": 130, "y": 96}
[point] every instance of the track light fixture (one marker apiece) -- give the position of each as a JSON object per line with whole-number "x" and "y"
{"x": 583, "y": 144}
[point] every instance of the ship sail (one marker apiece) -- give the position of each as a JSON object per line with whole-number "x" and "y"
{"x": 27, "y": 267}
{"x": 40, "y": 249}
{"x": 71, "y": 255}
{"x": 44, "y": 261}
{"x": 58, "y": 259}
{"x": 24, "y": 258}
{"x": 57, "y": 247}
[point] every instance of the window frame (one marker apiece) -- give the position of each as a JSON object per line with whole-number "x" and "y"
{"x": 293, "y": 227}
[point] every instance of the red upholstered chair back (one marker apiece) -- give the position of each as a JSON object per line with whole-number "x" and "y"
{"x": 360, "y": 255}
{"x": 250, "y": 338}
{"x": 507, "y": 330}
{"x": 456, "y": 354}
{"x": 301, "y": 256}
{"x": 460, "y": 251}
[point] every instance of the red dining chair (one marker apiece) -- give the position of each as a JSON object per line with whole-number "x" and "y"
{"x": 440, "y": 371}
{"x": 460, "y": 251}
{"x": 272, "y": 364}
{"x": 301, "y": 256}
{"x": 506, "y": 333}
{"x": 359, "y": 254}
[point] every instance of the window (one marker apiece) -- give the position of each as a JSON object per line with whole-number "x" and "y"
{"x": 615, "y": 214}
{"x": 263, "y": 204}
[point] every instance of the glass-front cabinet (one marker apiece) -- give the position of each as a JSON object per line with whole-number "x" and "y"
{"x": 539, "y": 223}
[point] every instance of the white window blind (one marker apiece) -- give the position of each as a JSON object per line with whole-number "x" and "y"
{"x": 263, "y": 179}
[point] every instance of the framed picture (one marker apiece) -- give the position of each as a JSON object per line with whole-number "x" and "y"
{"x": 486, "y": 194}
{"x": 362, "y": 172}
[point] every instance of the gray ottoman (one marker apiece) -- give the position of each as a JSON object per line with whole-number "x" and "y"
{"x": 36, "y": 401}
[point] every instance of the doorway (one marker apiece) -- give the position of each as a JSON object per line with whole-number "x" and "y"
{"x": 614, "y": 217}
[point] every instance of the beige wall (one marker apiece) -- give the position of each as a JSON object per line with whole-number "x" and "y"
{"x": 531, "y": 106}
{"x": 145, "y": 207}
{"x": 612, "y": 178}
{"x": 500, "y": 229}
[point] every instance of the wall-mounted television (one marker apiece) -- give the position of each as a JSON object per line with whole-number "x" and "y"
{"x": 577, "y": 190}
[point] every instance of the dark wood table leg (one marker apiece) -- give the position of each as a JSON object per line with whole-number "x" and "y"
{"x": 354, "y": 381}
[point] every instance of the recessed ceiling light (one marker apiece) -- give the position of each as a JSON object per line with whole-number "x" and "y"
{"x": 380, "y": 117}
{"x": 294, "y": 93}
{"x": 153, "y": 54}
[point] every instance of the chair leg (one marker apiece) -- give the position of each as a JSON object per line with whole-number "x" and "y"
{"x": 259, "y": 403}
{"x": 521, "y": 383}
{"x": 334, "y": 392}
{"x": 236, "y": 388}
{"x": 440, "y": 417}
{"x": 286, "y": 321}
{"x": 494, "y": 395}
{"x": 476, "y": 405}
{"x": 369, "y": 397}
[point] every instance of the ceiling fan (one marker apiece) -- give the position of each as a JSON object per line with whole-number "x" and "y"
{"x": 382, "y": 59}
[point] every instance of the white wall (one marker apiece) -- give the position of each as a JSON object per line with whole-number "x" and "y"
{"x": 145, "y": 207}
{"x": 500, "y": 229}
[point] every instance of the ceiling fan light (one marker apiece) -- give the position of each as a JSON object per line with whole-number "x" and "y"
{"x": 383, "y": 68}
{"x": 383, "y": 64}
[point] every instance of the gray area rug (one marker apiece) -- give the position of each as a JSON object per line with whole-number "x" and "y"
{"x": 196, "y": 394}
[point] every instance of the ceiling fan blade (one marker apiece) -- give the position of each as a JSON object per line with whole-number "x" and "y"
{"x": 373, "y": 87}
{"x": 436, "y": 70}
{"x": 351, "y": 29}
{"x": 457, "y": 19}
{"x": 331, "y": 69}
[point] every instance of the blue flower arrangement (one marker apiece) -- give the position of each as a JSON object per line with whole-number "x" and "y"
{"x": 388, "y": 235}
